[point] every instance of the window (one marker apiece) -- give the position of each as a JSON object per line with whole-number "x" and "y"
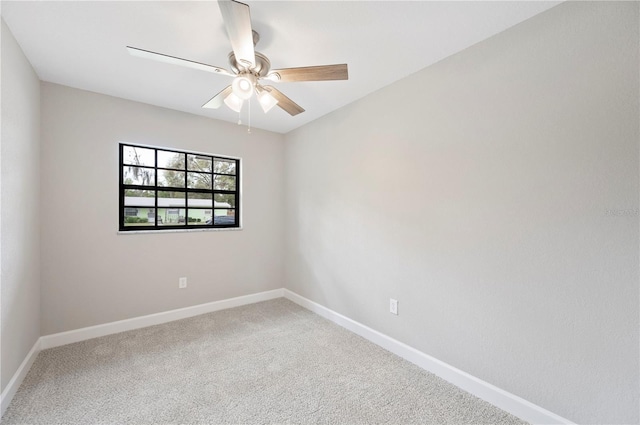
{"x": 168, "y": 189}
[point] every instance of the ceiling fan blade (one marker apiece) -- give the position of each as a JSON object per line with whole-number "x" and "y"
{"x": 310, "y": 73}
{"x": 216, "y": 101}
{"x": 237, "y": 20}
{"x": 284, "y": 102}
{"x": 134, "y": 51}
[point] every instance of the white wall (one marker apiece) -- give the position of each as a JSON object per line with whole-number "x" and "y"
{"x": 91, "y": 274}
{"x": 478, "y": 192}
{"x": 20, "y": 200}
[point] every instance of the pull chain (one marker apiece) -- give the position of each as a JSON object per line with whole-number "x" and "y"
{"x": 248, "y": 114}
{"x": 249, "y": 127}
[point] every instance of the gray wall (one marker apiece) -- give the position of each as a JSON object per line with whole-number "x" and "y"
{"x": 495, "y": 195}
{"x": 91, "y": 274}
{"x": 19, "y": 217}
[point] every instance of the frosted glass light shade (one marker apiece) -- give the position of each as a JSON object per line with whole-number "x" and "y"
{"x": 233, "y": 102}
{"x": 266, "y": 100}
{"x": 243, "y": 85}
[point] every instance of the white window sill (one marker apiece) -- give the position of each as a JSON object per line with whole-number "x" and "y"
{"x": 138, "y": 232}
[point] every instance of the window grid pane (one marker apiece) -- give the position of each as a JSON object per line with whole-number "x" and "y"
{"x": 168, "y": 189}
{"x": 171, "y": 160}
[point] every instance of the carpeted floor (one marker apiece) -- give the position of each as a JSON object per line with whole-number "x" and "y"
{"x": 271, "y": 362}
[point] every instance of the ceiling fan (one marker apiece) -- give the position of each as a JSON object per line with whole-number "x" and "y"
{"x": 249, "y": 68}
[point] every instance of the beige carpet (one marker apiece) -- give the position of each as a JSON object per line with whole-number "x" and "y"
{"x": 271, "y": 362}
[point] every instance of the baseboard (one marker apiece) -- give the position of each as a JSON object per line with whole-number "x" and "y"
{"x": 63, "y": 338}
{"x": 13, "y": 385}
{"x": 502, "y": 399}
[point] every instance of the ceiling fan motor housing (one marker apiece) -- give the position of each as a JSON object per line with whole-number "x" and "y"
{"x": 261, "y": 68}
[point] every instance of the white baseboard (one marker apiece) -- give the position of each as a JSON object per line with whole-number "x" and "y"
{"x": 63, "y": 338}
{"x": 13, "y": 385}
{"x": 502, "y": 399}
{"x": 481, "y": 389}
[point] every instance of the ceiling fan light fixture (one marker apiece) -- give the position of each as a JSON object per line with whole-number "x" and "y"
{"x": 266, "y": 100}
{"x": 233, "y": 102}
{"x": 249, "y": 66}
{"x": 243, "y": 85}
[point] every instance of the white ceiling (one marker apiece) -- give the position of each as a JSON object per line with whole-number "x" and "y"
{"x": 82, "y": 44}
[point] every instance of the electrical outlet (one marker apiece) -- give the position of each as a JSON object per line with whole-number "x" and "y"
{"x": 182, "y": 282}
{"x": 393, "y": 306}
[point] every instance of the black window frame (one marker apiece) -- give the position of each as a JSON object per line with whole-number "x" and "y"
{"x": 185, "y": 225}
